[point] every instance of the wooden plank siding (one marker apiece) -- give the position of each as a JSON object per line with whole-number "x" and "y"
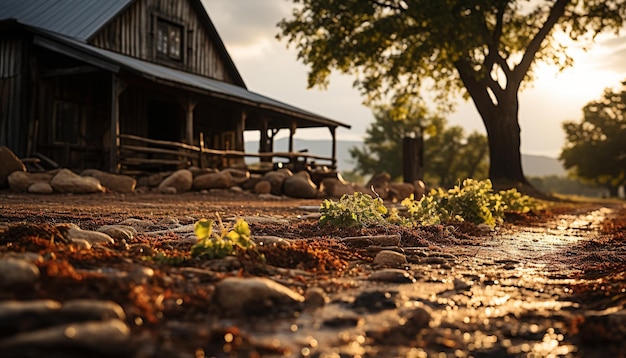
{"x": 13, "y": 96}
{"x": 133, "y": 34}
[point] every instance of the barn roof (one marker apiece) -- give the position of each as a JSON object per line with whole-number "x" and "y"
{"x": 79, "y": 19}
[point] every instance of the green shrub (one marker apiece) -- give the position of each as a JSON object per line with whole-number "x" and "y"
{"x": 356, "y": 210}
{"x": 213, "y": 245}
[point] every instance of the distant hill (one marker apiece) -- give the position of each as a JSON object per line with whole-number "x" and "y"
{"x": 534, "y": 165}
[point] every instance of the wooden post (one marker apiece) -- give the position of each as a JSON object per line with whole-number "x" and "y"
{"x": 189, "y": 107}
{"x": 201, "y": 151}
{"x": 292, "y": 131}
{"x": 115, "y": 125}
{"x": 412, "y": 157}
{"x": 333, "y": 155}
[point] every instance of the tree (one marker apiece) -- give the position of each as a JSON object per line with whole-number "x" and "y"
{"x": 483, "y": 49}
{"x": 449, "y": 155}
{"x": 595, "y": 148}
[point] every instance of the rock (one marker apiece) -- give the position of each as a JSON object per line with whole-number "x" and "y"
{"x": 114, "y": 182}
{"x": 181, "y": 181}
{"x": 335, "y": 188}
{"x": 315, "y": 298}
{"x": 276, "y": 179}
{"x": 255, "y": 295}
{"x": 170, "y": 190}
{"x": 137, "y": 224}
{"x": 153, "y": 180}
{"x": 392, "y": 276}
{"x": 67, "y": 181}
{"x": 93, "y": 237}
{"x": 10, "y": 163}
{"x": 400, "y": 191}
{"x": 107, "y": 338}
{"x": 263, "y": 187}
{"x": 81, "y": 244}
{"x": 209, "y": 181}
{"x": 379, "y": 240}
{"x": 19, "y": 181}
{"x": 238, "y": 176}
{"x": 80, "y": 310}
{"x": 375, "y": 301}
{"x": 251, "y": 182}
{"x": 300, "y": 186}
{"x": 16, "y": 272}
{"x": 40, "y": 188}
{"x": 390, "y": 258}
{"x": 380, "y": 184}
{"x": 420, "y": 189}
{"x": 119, "y": 232}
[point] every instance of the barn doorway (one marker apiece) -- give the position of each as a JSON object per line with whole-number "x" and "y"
{"x": 164, "y": 121}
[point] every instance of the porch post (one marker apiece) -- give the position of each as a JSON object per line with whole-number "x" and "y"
{"x": 292, "y": 131}
{"x": 115, "y": 125}
{"x": 239, "y": 129}
{"x": 333, "y": 131}
{"x": 189, "y": 105}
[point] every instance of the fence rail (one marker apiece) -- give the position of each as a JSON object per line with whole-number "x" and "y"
{"x": 144, "y": 152}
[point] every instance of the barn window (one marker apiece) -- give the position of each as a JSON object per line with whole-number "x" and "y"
{"x": 169, "y": 40}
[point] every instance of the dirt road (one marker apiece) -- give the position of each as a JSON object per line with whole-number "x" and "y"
{"x": 546, "y": 284}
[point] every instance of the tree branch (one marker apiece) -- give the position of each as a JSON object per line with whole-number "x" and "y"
{"x": 535, "y": 44}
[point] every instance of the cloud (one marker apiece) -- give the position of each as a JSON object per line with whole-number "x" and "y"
{"x": 243, "y": 23}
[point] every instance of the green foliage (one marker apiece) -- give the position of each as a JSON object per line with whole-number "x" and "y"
{"x": 423, "y": 50}
{"x": 213, "y": 245}
{"x": 473, "y": 201}
{"x": 595, "y": 151}
{"x": 357, "y": 210}
{"x": 448, "y": 154}
{"x": 161, "y": 257}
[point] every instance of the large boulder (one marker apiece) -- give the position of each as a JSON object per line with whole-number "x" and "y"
{"x": 113, "y": 182}
{"x": 238, "y": 176}
{"x": 23, "y": 181}
{"x": 400, "y": 191}
{"x": 379, "y": 183}
{"x": 300, "y": 186}
{"x": 66, "y": 181}
{"x": 10, "y": 163}
{"x": 220, "y": 180}
{"x": 276, "y": 179}
{"x": 336, "y": 187}
{"x": 181, "y": 181}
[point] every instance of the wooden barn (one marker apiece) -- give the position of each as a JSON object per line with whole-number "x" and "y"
{"x": 126, "y": 85}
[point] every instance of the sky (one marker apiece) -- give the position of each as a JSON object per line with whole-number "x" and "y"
{"x": 271, "y": 68}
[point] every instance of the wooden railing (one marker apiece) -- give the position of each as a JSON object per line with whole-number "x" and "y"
{"x": 138, "y": 152}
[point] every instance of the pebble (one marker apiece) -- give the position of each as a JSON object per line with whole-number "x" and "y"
{"x": 119, "y": 232}
{"x": 93, "y": 237}
{"x": 390, "y": 259}
{"x": 99, "y": 338}
{"x": 392, "y": 276}
{"x": 81, "y": 244}
{"x": 375, "y": 301}
{"x": 256, "y": 295}
{"x": 17, "y": 272}
{"x": 269, "y": 241}
{"x": 315, "y": 298}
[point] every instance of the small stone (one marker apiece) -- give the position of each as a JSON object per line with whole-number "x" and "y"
{"x": 270, "y": 241}
{"x": 141, "y": 249}
{"x": 100, "y": 338}
{"x": 460, "y": 285}
{"x": 255, "y": 295}
{"x": 167, "y": 190}
{"x": 315, "y": 298}
{"x": 15, "y": 272}
{"x": 375, "y": 301}
{"x": 390, "y": 259}
{"x": 93, "y": 237}
{"x": 81, "y": 244}
{"x": 392, "y": 276}
{"x": 119, "y": 232}
{"x": 40, "y": 188}
{"x": 263, "y": 187}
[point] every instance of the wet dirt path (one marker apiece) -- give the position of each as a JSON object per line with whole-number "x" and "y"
{"x": 509, "y": 296}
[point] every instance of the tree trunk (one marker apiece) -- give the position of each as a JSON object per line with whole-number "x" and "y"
{"x": 503, "y": 133}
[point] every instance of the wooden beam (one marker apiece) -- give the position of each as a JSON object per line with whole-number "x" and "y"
{"x": 79, "y": 70}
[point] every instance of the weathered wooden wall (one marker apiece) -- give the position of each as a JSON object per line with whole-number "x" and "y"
{"x": 13, "y": 124}
{"x": 133, "y": 34}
